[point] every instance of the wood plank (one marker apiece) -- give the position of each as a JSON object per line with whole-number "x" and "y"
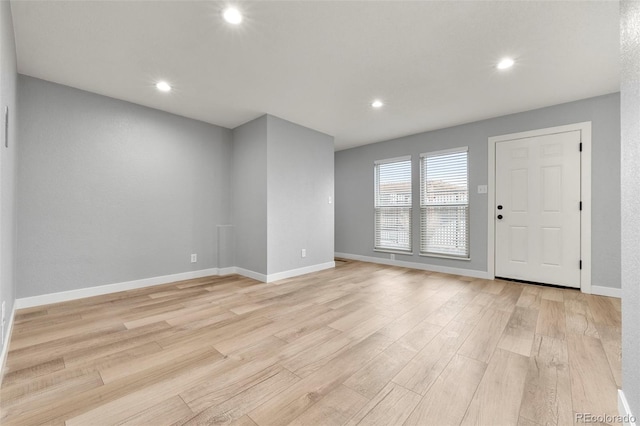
{"x": 32, "y": 372}
{"x": 243, "y": 421}
{"x": 150, "y": 361}
{"x": 531, "y": 297}
{"x": 520, "y": 330}
{"x": 93, "y": 406}
{"x": 91, "y": 342}
{"x": 604, "y": 310}
{"x": 494, "y": 287}
{"x": 244, "y": 339}
{"x": 336, "y": 408}
{"x": 485, "y": 336}
{"x": 311, "y": 360}
{"x": 56, "y": 334}
{"x": 353, "y": 319}
{"x": 255, "y": 394}
{"x": 22, "y": 390}
{"x": 116, "y": 344}
{"x": 415, "y": 316}
{"x": 44, "y": 322}
{"x": 302, "y": 328}
{"x": 526, "y": 422}
{"x": 497, "y": 400}
{"x": 26, "y": 404}
{"x": 160, "y": 383}
{"x": 169, "y": 411}
{"x": 551, "y": 320}
{"x": 418, "y": 337}
{"x": 449, "y": 310}
{"x": 118, "y": 359}
{"x": 593, "y": 388}
{"x": 391, "y": 406}
{"x": 200, "y": 314}
{"x": 293, "y": 401}
{"x": 23, "y": 315}
{"x": 554, "y": 294}
{"x": 312, "y": 340}
{"x": 263, "y": 348}
{"x": 229, "y": 327}
{"x": 579, "y": 317}
{"x": 547, "y": 394}
{"x": 371, "y": 378}
{"x": 423, "y": 370}
{"x": 475, "y": 309}
{"x": 447, "y": 400}
{"x": 611, "y": 338}
{"x": 507, "y": 299}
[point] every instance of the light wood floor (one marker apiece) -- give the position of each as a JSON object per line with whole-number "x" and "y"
{"x": 361, "y": 344}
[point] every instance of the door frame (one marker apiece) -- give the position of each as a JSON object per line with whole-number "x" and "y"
{"x": 585, "y": 194}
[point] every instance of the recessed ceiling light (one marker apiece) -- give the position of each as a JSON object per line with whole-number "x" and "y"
{"x": 232, "y": 15}
{"x": 163, "y": 86}
{"x": 505, "y": 63}
{"x": 377, "y": 103}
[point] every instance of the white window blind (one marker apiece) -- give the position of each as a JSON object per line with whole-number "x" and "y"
{"x": 393, "y": 204}
{"x": 444, "y": 203}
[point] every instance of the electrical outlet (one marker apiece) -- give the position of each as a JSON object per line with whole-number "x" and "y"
{"x": 303, "y": 253}
{"x": 330, "y": 200}
{"x": 194, "y": 258}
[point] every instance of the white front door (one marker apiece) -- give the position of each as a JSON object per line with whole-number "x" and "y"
{"x": 537, "y": 209}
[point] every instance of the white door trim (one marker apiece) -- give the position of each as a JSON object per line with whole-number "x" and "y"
{"x": 585, "y": 193}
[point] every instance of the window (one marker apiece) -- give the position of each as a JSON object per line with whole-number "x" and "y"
{"x": 444, "y": 203}
{"x": 393, "y": 204}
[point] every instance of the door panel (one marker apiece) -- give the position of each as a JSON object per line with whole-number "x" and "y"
{"x": 538, "y": 187}
{"x": 552, "y": 246}
{"x": 519, "y": 190}
{"x": 519, "y": 244}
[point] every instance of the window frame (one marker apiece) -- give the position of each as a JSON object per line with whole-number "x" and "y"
{"x": 422, "y": 207}
{"x": 376, "y": 164}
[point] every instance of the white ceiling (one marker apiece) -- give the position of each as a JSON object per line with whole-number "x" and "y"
{"x": 321, "y": 63}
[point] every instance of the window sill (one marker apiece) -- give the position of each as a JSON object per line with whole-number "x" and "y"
{"x": 444, "y": 256}
{"x": 407, "y": 253}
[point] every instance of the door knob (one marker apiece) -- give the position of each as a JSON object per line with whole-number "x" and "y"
{"x": 499, "y": 216}
{"x": 500, "y": 207}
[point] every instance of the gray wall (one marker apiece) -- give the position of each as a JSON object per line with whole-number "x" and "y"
{"x": 8, "y": 82}
{"x": 630, "y": 124}
{"x": 300, "y": 182}
{"x": 250, "y": 195}
{"x": 354, "y": 182}
{"x": 109, "y": 191}
{"x": 282, "y": 178}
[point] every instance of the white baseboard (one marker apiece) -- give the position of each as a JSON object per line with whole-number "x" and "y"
{"x": 628, "y": 418}
{"x": 228, "y": 271}
{"x": 606, "y": 291}
{"x": 5, "y": 344}
{"x": 278, "y": 275}
{"x": 64, "y": 296}
{"x": 300, "y": 271}
{"x": 250, "y": 274}
{"x": 414, "y": 265}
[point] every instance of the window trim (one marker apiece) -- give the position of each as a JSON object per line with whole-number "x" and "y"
{"x": 376, "y": 163}
{"x": 392, "y": 160}
{"x": 447, "y": 151}
{"x": 423, "y": 156}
